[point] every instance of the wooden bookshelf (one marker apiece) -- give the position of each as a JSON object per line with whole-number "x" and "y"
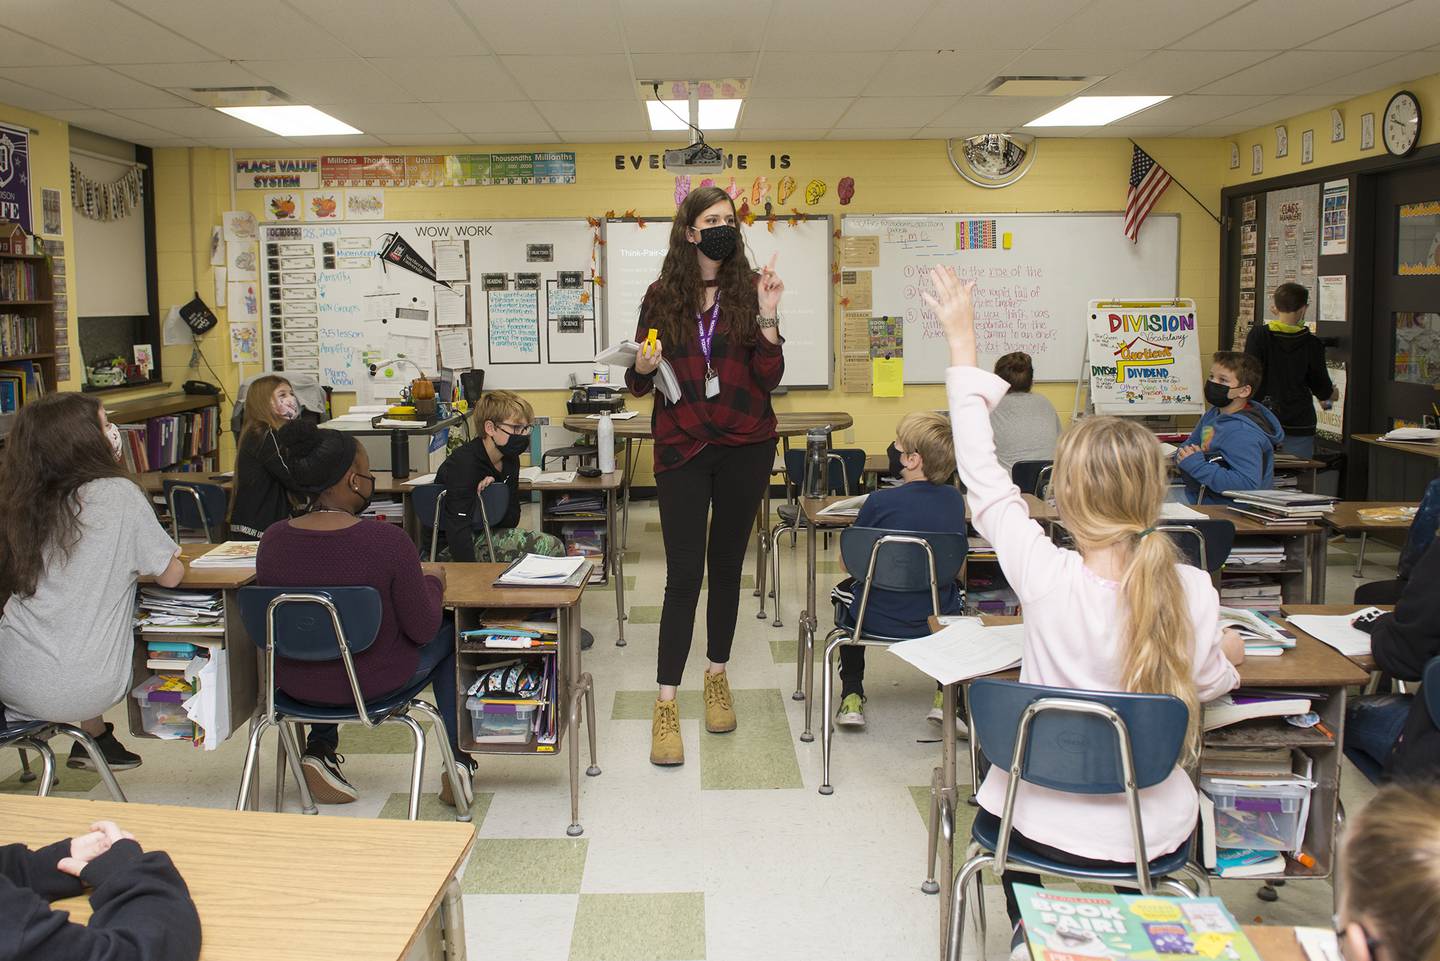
{"x": 42, "y": 309}
{"x": 143, "y": 410}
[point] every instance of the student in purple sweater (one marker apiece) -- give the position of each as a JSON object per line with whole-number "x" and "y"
{"x": 330, "y": 546}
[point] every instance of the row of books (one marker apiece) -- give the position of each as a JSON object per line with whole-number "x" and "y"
{"x": 19, "y": 334}
{"x": 170, "y": 439}
{"x": 21, "y": 381}
{"x": 1281, "y": 508}
{"x": 1253, "y": 591}
{"x": 1263, "y": 636}
{"x": 19, "y": 280}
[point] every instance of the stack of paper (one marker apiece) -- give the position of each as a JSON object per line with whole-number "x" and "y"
{"x": 1337, "y": 631}
{"x": 163, "y": 610}
{"x": 1413, "y": 435}
{"x": 849, "y": 507}
{"x": 1256, "y": 552}
{"x": 230, "y": 554}
{"x": 624, "y": 354}
{"x": 535, "y": 570}
{"x": 964, "y": 649}
{"x": 1171, "y": 511}
{"x": 1262, "y": 593}
{"x": 392, "y": 512}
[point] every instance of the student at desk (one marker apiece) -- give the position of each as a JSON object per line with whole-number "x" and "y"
{"x": 76, "y": 534}
{"x": 263, "y": 487}
{"x": 328, "y": 545}
{"x": 1121, "y": 614}
{"x": 1233, "y": 446}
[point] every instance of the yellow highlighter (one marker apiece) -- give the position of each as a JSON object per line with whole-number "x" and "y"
{"x": 650, "y": 339}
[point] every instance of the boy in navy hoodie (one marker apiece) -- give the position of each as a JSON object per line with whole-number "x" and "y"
{"x": 926, "y": 501}
{"x": 1233, "y": 446}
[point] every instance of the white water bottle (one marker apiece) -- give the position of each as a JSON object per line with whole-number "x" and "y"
{"x": 605, "y": 441}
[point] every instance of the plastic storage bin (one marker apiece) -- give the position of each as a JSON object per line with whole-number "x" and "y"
{"x": 162, "y": 718}
{"x": 1264, "y": 818}
{"x": 500, "y": 720}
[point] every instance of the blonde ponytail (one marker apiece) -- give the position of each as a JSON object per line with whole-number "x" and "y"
{"x": 1110, "y": 480}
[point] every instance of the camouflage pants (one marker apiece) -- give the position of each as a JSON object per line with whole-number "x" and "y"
{"x": 511, "y": 542}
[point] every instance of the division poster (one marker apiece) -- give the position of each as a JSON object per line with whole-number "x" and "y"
{"x": 1144, "y": 357}
{"x": 1292, "y": 241}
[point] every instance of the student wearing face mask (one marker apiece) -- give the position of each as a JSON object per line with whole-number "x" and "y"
{"x": 502, "y": 433}
{"x": 263, "y": 486}
{"x": 719, "y": 327}
{"x": 75, "y": 537}
{"x": 1233, "y": 446}
{"x": 328, "y": 545}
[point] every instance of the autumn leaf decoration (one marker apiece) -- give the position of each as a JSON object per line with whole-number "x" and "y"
{"x": 844, "y": 301}
{"x": 747, "y": 216}
{"x": 584, "y": 296}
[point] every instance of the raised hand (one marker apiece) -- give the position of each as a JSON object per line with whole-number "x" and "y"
{"x": 954, "y": 304}
{"x": 770, "y": 289}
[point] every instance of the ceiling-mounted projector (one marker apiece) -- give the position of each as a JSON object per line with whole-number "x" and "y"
{"x": 698, "y": 158}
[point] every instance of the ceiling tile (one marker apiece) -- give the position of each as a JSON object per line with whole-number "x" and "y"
{"x": 779, "y": 134}
{"x": 872, "y": 112}
{"x": 807, "y": 112}
{"x": 1013, "y": 24}
{"x": 391, "y": 118}
{"x": 595, "y": 136}
{"x": 814, "y": 74}
{"x": 996, "y": 113}
{"x": 508, "y": 27}
{"x": 599, "y": 77}
{"x": 422, "y": 139}
{"x": 1072, "y": 63}
{"x": 101, "y": 31}
{"x": 382, "y": 28}
{"x": 27, "y": 97}
{"x": 267, "y": 142}
{"x": 21, "y": 51}
{"x": 1198, "y": 108}
{"x": 591, "y": 116}
{"x": 1411, "y": 26}
{"x": 514, "y": 139}
{"x": 93, "y": 86}
{"x": 330, "y": 81}
{"x": 268, "y": 30}
{"x": 200, "y": 123}
{"x": 112, "y": 125}
{"x": 209, "y": 73}
{"x": 700, "y": 65}
{"x": 841, "y": 25}
{"x": 1108, "y": 24}
{"x": 511, "y": 115}
{"x": 1293, "y": 71}
{"x": 920, "y": 72}
{"x": 1400, "y": 69}
{"x": 652, "y": 27}
{"x": 1255, "y": 26}
{"x": 443, "y": 78}
{"x": 1178, "y": 71}
{"x": 1133, "y": 132}
{"x": 887, "y": 133}
{"x": 362, "y": 140}
{"x": 1276, "y": 111}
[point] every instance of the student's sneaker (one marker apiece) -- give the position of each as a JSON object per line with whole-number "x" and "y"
{"x": 465, "y": 767}
{"x": 322, "y": 775}
{"x": 666, "y": 748}
{"x": 852, "y": 711}
{"x": 937, "y": 714}
{"x": 719, "y": 705}
{"x": 113, "y": 751}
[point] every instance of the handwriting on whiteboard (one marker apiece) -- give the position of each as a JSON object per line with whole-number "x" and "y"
{"x": 1007, "y": 311}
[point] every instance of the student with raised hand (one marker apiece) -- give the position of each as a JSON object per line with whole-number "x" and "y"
{"x": 76, "y": 534}
{"x": 142, "y": 908}
{"x": 1232, "y": 448}
{"x": 263, "y": 487}
{"x": 1120, "y": 613}
{"x": 329, "y": 545}
{"x": 1292, "y": 365}
{"x": 1389, "y": 877}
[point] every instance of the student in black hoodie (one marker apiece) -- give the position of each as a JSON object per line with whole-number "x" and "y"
{"x": 142, "y": 908}
{"x": 262, "y": 477}
{"x": 1293, "y": 363}
{"x": 1391, "y": 736}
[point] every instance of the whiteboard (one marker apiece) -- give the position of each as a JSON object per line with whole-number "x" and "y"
{"x": 634, "y": 255}
{"x": 522, "y": 294}
{"x": 1032, "y": 297}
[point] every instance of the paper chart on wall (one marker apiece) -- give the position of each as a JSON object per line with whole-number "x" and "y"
{"x": 241, "y": 261}
{"x": 1144, "y": 357}
{"x": 512, "y": 329}
{"x": 1292, "y": 240}
{"x": 1332, "y": 299}
{"x": 455, "y": 348}
{"x": 452, "y": 305}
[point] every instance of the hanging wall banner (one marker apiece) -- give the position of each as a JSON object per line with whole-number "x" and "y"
{"x": 397, "y": 250}
{"x": 285, "y": 173}
{"x": 15, "y": 176}
{"x": 1144, "y": 357}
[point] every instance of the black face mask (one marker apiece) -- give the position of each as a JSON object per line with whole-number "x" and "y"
{"x": 515, "y": 445}
{"x": 1216, "y": 395}
{"x": 365, "y": 502}
{"x": 718, "y": 242}
{"x": 895, "y": 466}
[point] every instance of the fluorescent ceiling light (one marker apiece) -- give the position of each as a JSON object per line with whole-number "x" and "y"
{"x": 714, "y": 114}
{"x": 1094, "y": 111}
{"x": 291, "y": 121}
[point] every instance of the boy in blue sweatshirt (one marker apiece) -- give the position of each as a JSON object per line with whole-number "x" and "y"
{"x": 925, "y": 501}
{"x": 1233, "y": 446}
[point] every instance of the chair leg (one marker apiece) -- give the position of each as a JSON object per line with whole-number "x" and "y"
{"x": 26, "y": 775}
{"x": 979, "y": 913}
{"x": 96, "y": 758}
{"x": 280, "y": 773}
{"x": 827, "y": 724}
{"x": 289, "y": 746}
{"x": 953, "y": 927}
{"x": 417, "y": 765}
{"x": 252, "y": 754}
{"x": 47, "y": 764}
{"x": 775, "y": 579}
{"x": 465, "y": 796}
{"x": 932, "y": 836}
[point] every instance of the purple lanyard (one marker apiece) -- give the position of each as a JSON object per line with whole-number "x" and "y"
{"x": 712, "y": 316}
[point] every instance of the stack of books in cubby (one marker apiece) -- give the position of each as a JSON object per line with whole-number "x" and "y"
{"x": 579, "y": 520}
{"x": 510, "y": 674}
{"x": 172, "y": 442}
{"x": 175, "y": 626}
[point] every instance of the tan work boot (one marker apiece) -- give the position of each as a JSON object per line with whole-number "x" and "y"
{"x": 719, "y": 706}
{"x": 666, "y": 748}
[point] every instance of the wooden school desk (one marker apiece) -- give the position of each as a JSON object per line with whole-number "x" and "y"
{"x": 1346, "y": 519}
{"x": 1365, "y": 662}
{"x": 470, "y": 589}
{"x": 1398, "y": 470}
{"x": 284, "y": 887}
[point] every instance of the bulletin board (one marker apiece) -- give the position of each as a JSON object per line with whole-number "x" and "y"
{"x": 1030, "y": 296}
{"x": 512, "y": 297}
{"x": 635, "y": 253}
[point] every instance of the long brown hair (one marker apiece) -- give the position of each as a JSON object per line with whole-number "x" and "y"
{"x": 1390, "y": 870}
{"x": 1110, "y": 480}
{"x": 680, "y": 291}
{"x": 260, "y": 413}
{"x": 55, "y": 448}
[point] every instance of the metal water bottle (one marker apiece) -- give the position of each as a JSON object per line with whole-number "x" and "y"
{"x": 399, "y": 454}
{"x": 817, "y": 446}
{"x": 605, "y": 443}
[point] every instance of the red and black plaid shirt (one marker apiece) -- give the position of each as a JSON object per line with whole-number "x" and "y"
{"x": 741, "y": 414}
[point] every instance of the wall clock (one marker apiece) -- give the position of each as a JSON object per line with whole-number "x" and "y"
{"x": 1401, "y": 125}
{"x": 992, "y": 159}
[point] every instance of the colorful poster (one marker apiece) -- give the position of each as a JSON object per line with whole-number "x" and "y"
{"x": 1335, "y": 218}
{"x": 974, "y": 235}
{"x": 1417, "y": 348}
{"x": 1072, "y": 925}
{"x": 887, "y": 338}
{"x": 512, "y": 168}
{"x": 1145, "y": 357}
{"x": 342, "y": 170}
{"x": 554, "y": 167}
{"x": 284, "y": 173}
{"x": 1418, "y": 251}
{"x": 468, "y": 169}
{"x": 15, "y": 176}
{"x": 426, "y": 170}
{"x": 363, "y": 204}
{"x": 324, "y": 205}
{"x": 285, "y": 205}
{"x": 245, "y": 342}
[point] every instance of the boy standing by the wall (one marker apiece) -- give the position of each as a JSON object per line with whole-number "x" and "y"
{"x": 1292, "y": 363}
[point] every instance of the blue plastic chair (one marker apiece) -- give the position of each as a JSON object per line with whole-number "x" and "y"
{"x": 844, "y": 474}
{"x": 35, "y": 736}
{"x": 331, "y": 624}
{"x": 1079, "y": 742}
{"x": 1205, "y": 544}
{"x": 428, "y": 502}
{"x": 914, "y": 561}
{"x": 1031, "y": 476}
{"x": 197, "y": 506}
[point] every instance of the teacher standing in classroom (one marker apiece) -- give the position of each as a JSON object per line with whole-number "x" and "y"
{"x": 717, "y": 324}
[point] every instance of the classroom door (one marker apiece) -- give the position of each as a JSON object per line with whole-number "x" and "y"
{"x": 1405, "y": 316}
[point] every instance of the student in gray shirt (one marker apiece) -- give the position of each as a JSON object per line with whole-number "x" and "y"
{"x": 1026, "y": 426}
{"x": 76, "y": 535}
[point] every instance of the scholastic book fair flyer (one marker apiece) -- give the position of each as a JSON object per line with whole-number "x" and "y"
{"x": 1076, "y": 926}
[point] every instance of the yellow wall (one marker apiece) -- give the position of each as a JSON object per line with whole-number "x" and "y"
{"x": 1426, "y": 89}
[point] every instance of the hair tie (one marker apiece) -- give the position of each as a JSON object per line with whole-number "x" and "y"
{"x": 1148, "y": 530}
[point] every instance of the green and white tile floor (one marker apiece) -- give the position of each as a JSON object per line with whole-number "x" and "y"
{"x": 732, "y": 857}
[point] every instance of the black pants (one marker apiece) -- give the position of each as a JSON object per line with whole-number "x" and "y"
{"x": 1380, "y": 592}
{"x": 726, "y": 483}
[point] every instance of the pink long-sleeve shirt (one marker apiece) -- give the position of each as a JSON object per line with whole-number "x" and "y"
{"x": 1074, "y": 623}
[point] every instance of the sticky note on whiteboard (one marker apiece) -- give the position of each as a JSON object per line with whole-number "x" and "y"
{"x": 1006, "y": 239}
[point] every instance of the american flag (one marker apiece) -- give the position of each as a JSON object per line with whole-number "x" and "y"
{"x": 1148, "y": 181}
